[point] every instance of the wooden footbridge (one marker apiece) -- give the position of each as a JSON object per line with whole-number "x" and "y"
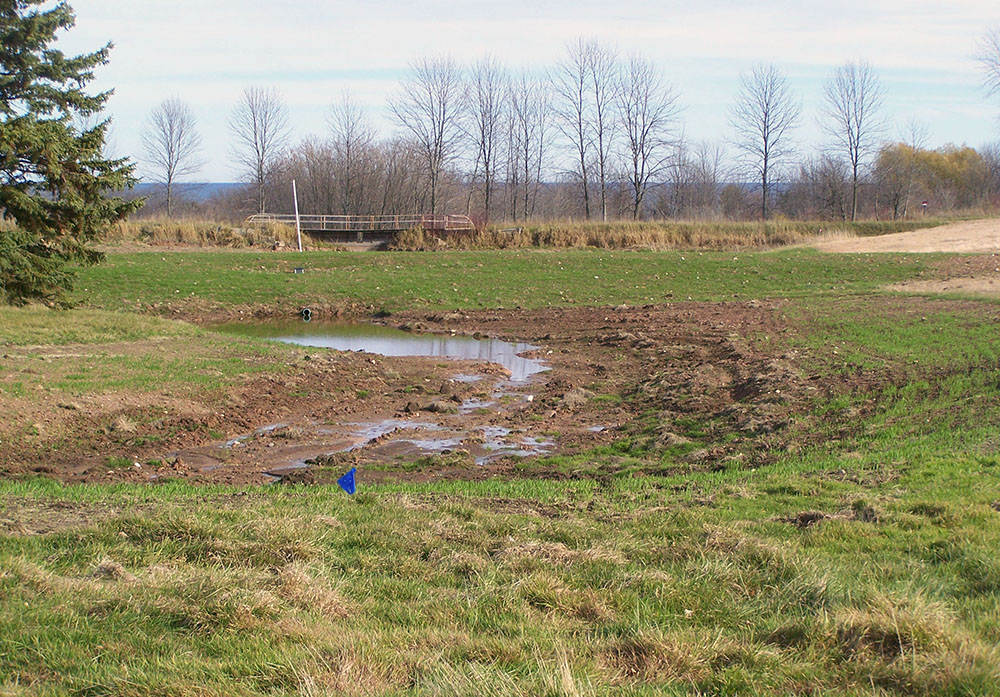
{"x": 365, "y": 229}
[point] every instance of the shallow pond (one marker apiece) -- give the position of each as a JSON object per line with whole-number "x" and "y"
{"x": 387, "y": 341}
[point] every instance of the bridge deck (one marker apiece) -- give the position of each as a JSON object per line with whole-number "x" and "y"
{"x": 334, "y": 224}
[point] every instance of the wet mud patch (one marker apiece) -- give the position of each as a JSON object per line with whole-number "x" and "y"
{"x": 659, "y": 390}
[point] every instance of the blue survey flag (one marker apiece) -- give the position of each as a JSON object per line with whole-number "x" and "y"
{"x": 347, "y": 481}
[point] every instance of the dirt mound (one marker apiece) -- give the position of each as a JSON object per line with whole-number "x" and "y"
{"x": 973, "y": 236}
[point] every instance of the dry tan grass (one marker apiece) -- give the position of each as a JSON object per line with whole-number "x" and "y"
{"x": 299, "y": 587}
{"x": 558, "y": 553}
{"x": 708, "y": 235}
{"x": 200, "y": 233}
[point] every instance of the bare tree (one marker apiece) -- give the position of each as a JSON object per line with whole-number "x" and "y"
{"x": 763, "y": 117}
{"x": 570, "y": 84}
{"x": 352, "y": 143}
{"x": 529, "y": 138}
{"x": 259, "y": 123}
{"x": 487, "y": 104}
{"x": 647, "y": 108}
{"x": 852, "y": 98}
{"x": 172, "y": 145}
{"x": 429, "y": 107}
{"x": 989, "y": 58}
{"x": 602, "y": 67}
{"x": 708, "y": 174}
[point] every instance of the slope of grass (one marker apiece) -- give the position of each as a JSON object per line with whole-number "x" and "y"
{"x": 413, "y": 280}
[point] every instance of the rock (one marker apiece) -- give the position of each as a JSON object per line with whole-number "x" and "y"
{"x": 699, "y": 455}
{"x": 806, "y": 518}
{"x": 440, "y": 407}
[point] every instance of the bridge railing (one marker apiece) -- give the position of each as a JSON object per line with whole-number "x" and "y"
{"x": 368, "y": 223}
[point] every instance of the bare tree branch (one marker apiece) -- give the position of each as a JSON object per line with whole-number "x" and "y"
{"x": 988, "y": 56}
{"x": 352, "y": 142}
{"x": 429, "y": 107}
{"x": 603, "y": 73}
{"x": 852, "y": 98}
{"x": 647, "y": 109}
{"x": 573, "y": 109}
{"x": 172, "y": 145}
{"x": 763, "y": 117}
{"x": 259, "y": 123}
{"x": 487, "y": 105}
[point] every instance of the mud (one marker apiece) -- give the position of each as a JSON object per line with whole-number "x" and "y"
{"x": 456, "y": 419}
{"x": 678, "y": 388}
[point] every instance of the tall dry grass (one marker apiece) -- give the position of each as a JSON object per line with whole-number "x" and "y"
{"x": 199, "y": 233}
{"x": 709, "y": 235}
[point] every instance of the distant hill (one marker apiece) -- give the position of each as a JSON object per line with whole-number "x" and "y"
{"x": 196, "y": 192}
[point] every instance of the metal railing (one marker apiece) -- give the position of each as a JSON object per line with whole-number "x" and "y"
{"x": 368, "y": 223}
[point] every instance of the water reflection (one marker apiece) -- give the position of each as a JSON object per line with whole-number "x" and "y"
{"x": 393, "y": 342}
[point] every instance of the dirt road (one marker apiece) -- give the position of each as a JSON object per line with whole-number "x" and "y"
{"x": 974, "y": 236}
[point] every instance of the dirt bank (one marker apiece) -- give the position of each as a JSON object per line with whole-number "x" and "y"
{"x": 972, "y": 237}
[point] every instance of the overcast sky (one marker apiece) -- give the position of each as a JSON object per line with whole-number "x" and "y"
{"x": 206, "y": 53}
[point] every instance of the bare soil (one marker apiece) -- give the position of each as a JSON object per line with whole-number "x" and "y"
{"x": 335, "y": 410}
{"x": 698, "y": 381}
{"x": 972, "y": 237}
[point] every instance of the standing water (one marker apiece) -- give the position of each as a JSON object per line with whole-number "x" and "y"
{"x": 386, "y": 341}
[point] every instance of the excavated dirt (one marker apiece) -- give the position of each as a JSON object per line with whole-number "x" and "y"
{"x": 972, "y": 236}
{"x": 967, "y": 275}
{"x": 700, "y": 385}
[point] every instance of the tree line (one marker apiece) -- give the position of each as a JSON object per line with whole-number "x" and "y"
{"x": 598, "y": 136}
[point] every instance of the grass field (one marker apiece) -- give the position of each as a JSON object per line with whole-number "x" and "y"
{"x": 475, "y": 279}
{"x": 860, "y": 561}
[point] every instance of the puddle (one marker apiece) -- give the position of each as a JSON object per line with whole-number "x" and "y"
{"x": 497, "y": 442}
{"x": 462, "y": 377}
{"x": 471, "y": 405}
{"x": 368, "y": 433}
{"x": 387, "y": 341}
{"x": 394, "y": 438}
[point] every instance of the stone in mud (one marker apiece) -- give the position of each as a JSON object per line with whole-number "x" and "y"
{"x": 440, "y": 407}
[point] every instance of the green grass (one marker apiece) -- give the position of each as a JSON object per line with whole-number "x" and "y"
{"x": 21, "y": 326}
{"x": 649, "y": 586}
{"x": 693, "y": 583}
{"x": 88, "y": 351}
{"x": 436, "y": 280}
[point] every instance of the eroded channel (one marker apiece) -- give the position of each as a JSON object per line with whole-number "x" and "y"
{"x": 472, "y": 425}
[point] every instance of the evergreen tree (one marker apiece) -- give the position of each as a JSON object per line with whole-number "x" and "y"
{"x": 53, "y": 174}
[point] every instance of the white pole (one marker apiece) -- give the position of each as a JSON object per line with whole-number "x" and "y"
{"x": 298, "y": 228}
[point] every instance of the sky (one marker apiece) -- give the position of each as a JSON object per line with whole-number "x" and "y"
{"x": 207, "y": 53}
